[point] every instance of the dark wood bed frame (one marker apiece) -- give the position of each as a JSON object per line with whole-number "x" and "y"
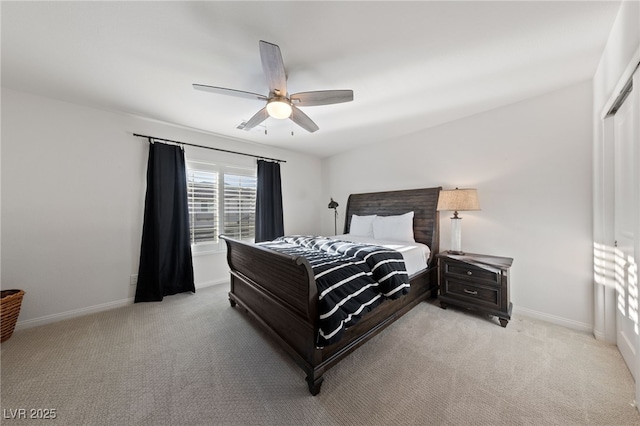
{"x": 279, "y": 291}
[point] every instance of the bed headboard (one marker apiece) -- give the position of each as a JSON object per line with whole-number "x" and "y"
{"x": 423, "y": 202}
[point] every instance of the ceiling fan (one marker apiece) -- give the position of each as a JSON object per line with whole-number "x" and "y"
{"x": 280, "y": 104}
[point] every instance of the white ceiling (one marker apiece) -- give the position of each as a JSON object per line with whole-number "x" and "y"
{"x": 411, "y": 65}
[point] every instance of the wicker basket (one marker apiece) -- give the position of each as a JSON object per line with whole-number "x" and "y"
{"x": 10, "y": 302}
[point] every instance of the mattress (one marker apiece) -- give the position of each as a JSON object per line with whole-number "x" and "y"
{"x": 415, "y": 255}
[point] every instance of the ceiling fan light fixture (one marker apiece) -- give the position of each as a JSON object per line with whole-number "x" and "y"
{"x": 279, "y": 108}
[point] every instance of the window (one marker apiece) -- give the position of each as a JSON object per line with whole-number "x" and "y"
{"x": 222, "y": 200}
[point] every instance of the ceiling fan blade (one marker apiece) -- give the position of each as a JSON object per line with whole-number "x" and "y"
{"x": 273, "y": 68}
{"x": 229, "y": 92}
{"x": 322, "y": 97}
{"x": 258, "y": 118}
{"x": 302, "y": 120}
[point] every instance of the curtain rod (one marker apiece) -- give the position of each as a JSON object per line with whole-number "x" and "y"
{"x": 261, "y": 157}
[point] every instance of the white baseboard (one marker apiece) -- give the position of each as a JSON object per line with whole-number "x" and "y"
{"x": 599, "y": 335}
{"x": 565, "y": 322}
{"x": 205, "y": 284}
{"x": 48, "y": 319}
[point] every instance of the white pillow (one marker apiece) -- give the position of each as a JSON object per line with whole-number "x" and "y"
{"x": 362, "y": 226}
{"x": 394, "y": 228}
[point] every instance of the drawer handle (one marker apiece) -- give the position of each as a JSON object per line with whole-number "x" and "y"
{"x": 470, "y": 292}
{"x": 469, "y": 273}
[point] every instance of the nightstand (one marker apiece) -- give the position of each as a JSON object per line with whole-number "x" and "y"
{"x": 476, "y": 281}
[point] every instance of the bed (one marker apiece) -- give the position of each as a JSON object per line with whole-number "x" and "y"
{"x": 279, "y": 290}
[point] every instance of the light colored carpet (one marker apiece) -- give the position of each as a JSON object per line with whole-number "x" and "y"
{"x": 194, "y": 360}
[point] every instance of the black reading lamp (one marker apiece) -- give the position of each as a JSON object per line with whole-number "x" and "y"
{"x": 334, "y": 205}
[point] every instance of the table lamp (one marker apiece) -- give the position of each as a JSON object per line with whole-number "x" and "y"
{"x": 457, "y": 200}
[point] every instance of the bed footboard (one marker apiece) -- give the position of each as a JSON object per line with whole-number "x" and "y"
{"x": 278, "y": 291}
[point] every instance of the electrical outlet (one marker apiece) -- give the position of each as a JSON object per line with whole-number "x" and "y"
{"x": 133, "y": 279}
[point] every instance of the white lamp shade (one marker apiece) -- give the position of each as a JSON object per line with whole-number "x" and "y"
{"x": 458, "y": 200}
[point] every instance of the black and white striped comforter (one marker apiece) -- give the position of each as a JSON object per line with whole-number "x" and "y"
{"x": 352, "y": 278}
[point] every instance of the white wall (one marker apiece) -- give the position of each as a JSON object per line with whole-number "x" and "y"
{"x": 531, "y": 164}
{"x": 73, "y": 187}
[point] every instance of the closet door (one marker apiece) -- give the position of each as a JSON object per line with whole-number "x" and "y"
{"x": 626, "y": 153}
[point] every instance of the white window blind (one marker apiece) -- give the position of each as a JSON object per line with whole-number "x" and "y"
{"x": 202, "y": 190}
{"x": 222, "y": 200}
{"x": 240, "y": 206}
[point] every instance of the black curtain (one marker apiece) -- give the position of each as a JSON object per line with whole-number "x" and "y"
{"x": 269, "y": 222}
{"x": 166, "y": 266}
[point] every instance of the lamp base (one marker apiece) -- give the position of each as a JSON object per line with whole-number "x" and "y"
{"x": 456, "y": 252}
{"x": 456, "y": 235}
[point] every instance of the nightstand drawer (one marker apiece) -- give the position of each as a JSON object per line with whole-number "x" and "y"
{"x": 472, "y": 272}
{"x": 487, "y": 296}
